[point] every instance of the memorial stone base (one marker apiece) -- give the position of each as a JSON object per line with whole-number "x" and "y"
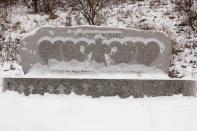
{"x": 99, "y": 50}
{"x": 101, "y": 87}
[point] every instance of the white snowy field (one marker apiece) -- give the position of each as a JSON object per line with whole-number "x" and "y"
{"x": 81, "y": 113}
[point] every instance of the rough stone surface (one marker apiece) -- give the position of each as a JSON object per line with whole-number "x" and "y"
{"x": 104, "y": 45}
{"x": 101, "y": 87}
{"x": 109, "y": 47}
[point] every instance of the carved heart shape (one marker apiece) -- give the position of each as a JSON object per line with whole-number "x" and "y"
{"x": 44, "y": 50}
{"x": 147, "y": 53}
{"x": 124, "y": 53}
{"x": 47, "y": 50}
{"x": 68, "y": 49}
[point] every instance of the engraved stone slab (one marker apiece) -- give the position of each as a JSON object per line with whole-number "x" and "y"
{"x": 101, "y": 87}
{"x": 91, "y": 49}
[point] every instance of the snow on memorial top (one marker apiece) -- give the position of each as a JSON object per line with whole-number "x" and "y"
{"x": 95, "y": 49}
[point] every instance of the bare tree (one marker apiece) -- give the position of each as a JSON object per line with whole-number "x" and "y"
{"x": 47, "y": 6}
{"x": 6, "y": 4}
{"x": 89, "y": 8}
{"x": 50, "y": 6}
{"x": 35, "y": 4}
{"x": 189, "y": 8}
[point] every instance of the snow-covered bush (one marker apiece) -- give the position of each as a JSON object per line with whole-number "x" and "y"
{"x": 9, "y": 51}
{"x": 47, "y": 6}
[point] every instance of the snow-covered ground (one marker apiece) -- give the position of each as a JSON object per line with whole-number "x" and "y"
{"x": 81, "y": 113}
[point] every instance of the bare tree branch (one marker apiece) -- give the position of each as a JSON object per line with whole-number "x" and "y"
{"x": 89, "y": 8}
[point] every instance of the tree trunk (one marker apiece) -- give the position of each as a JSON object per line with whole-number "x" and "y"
{"x": 189, "y": 16}
{"x": 35, "y": 5}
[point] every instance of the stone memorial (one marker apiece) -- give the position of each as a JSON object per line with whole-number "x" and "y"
{"x": 87, "y": 47}
{"x": 97, "y": 61}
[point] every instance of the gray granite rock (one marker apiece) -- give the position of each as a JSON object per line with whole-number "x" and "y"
{"x": 88, "y": 43}
{"x": 101, "y": 87}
